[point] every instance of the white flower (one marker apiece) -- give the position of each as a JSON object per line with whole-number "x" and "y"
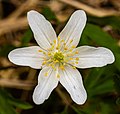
{"x": 58, "y": 56}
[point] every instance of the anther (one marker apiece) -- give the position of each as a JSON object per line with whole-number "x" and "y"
{"x": 77, "y": 58}
{"x": 54, "y": 41}
{"x": 44, "y": 53}
{"x": 71, "y": 41}
{"x": 64, "y": 44}
{"x": 56, "y": 61}
{"x": 59, "y": 38}
{"x": 44, "y": 62}
{"x": 73, "y": 46}
{"x": 62, "y": 67}
{"x": 40, "y": 51}
{"x": 58, "y": 76}
{"x": 57, "y": 47}
{"x": 62, "y": 40}
{"x": 76, "y": 62}
{"x": 65, "y": 48}
{"x": 76, "y": 52}
{"x": 49, "y": 54}
{"x": 46, "y": 74}
{"x": 70, "y": 58}
{"x": 52, "y": 66}
{"x": 73, "y": 67}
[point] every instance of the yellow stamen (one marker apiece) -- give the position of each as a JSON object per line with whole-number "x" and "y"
{"x": 44, "y": 59}
{"x": 57, "y": 48}
{"x": 62, "y": 40}
{"x": 76, "y": 52}
{"x": 70, "y": 58}
{"x": 40, "y": 51}
{"x": 65, "y": 48}
{"x": 56, "y": 61}
{"x": 58, "y": 38}
{"x": 52, "y": 65}
{"x": 52, "y": 47}
{"x": 64, "y": 44}
{"x": 76, "y": 62}
{"x": 62, "y": 67}
{"x": 58, "y": 76}
{"x": 71, "y": 41}
{"x": 73, "y": 46}
{"x": 49, "y": 54}
{"x": 44, "y": 62}
{"x": 46, "y": 74}
{"x": 73, "y": 67}
{"x": 77, "y": 58}
{"x": 54, "y": 41}
{"x": 44, "y": 53}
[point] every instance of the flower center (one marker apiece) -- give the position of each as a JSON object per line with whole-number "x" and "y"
{"x": 58, "y": 56}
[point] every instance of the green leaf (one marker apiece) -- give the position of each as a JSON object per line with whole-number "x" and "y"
{"x": 117, "y": 82}
{"x": 5, "y": 107}
{"x": 5, "y": 49}
{"x": 49, "y": 14}
{"x": 65, "y": 110}
{"x": 106, "y": 109}
{"x": 118, "y": 101}
{"x": 113, "y": 21}
{"x": 99, "y": 81}
{"x": 103, "y": 88}
{"x": 93, "y": 77}
{"x": 78, "y": 111}
{"x": 26, "y": 38}
{"x": 18, "y": 103}
{"x": 98, "y": 37}
{"x": 8, "y": 104}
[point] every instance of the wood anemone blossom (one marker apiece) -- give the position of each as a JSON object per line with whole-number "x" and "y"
{"x": 59, "y": 56}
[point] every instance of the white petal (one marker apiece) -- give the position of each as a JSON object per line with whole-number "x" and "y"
{"x": 28, "y": 56}
{"x": 93, "y": 57}
{"x": 71, "y": 79}
{"x": 45, "y": 86}
{"x": 74, "y": 28}
{"x": 42, "y": 29}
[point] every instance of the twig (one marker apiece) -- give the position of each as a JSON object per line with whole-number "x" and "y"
{"x": 16, "y": 2}
{"x": 12, "y": 25}
{"x": 91, "y": 10}
{"x": 62, "y": 95}
{"x": 19, "y": 84}
{"x": 12, "y": 22}
{"x": 30, "y": 78}
{"x": 8, "y": 67}
{"x": 25, "y": 6}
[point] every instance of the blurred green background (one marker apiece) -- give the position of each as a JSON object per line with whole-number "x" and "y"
{"x": 17, "y": 83}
